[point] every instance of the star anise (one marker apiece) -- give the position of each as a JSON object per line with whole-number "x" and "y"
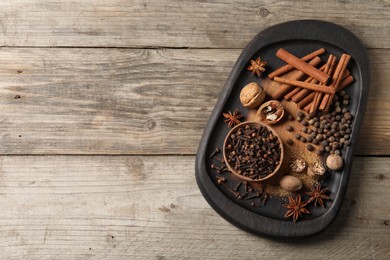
{"x": 317, "y": 195}
{"x": 257, "y": 66}
{"x": 232, "y": 119}
{"x": 295, "y": 208}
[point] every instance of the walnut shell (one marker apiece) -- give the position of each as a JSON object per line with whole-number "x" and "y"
{"x": 291, "y": 183}
{"x": 334, "y": 162}
{"x": 252, "y": 95}
{"x": 270, "y": 112}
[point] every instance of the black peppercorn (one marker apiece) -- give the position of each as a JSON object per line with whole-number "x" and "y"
{"x": 309, "y": 147}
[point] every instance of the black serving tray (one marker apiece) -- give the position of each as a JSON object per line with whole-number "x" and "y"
{"x": 299, "y": 37}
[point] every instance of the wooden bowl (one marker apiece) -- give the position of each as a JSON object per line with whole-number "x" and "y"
{"x": 275, "y": 105}
{"x": 257, "y": 124}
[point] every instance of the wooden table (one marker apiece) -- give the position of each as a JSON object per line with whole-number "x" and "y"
{"x": 102, "y": 106}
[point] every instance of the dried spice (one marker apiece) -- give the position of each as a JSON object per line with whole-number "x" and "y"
{"x": 253, "y": 151}
{"x": 298, "y": 165}
{"x": 295, "y": 208}
{"x": 257, "y": 67}
{"x": 317, "y": 195}
{"x": 232, "y": 119}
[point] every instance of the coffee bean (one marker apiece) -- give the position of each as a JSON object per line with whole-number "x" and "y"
{"x": 290, "y": 142}
{"x": 337, "y": 152}
{"x": 338, "y": 109}
{"x": 298, "y": 136}
{"x": 316, "y": 142}
{"x": 347, "y": 143}
{"x": 304, "y": 129}
{"x": 316, "y": 124}
{"x": 311, "y": 121}
{"x": 289, "y": 128}
{"x": 345, "y": 102}
{"x": 299, "y": 119}
{"x": 341, "y": 93}
{"x": 348, "y": 131}
{"x": 309, "y": 131}
{"x": 319, "y": 137}
{"x": 309, "y": 139}
{"x": 313, "y": 134}
{"x": 327, "y": 149}
{"x": 303, "y": 139}
{"x": 346, "y": 97}
{"x": 304, "y": 123}
{"x": 344, "y": 110}
{"x": 290, "y": 117}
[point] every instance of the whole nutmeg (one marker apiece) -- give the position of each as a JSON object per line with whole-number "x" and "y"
{"x": 290, "y": 183}
{"x": 252, "y": 95}
{"x": 334, "y": 162}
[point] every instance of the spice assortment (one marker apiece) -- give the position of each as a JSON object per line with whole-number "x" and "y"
{"x": 307, "y": 82}
{"x": 306, "y": 104}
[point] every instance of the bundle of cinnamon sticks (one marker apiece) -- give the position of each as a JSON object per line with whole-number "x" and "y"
{"x": 311, "y": 88}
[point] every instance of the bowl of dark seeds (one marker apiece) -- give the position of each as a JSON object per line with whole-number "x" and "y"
{"x": 253, "y": 151}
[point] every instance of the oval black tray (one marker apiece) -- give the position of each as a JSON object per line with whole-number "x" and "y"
{"x": 299, "y": 37}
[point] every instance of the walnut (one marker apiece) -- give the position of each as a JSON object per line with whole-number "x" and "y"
{"x": 298, "y": 165}
{"x": 334, "y": 162}
{"x": 252, "y": 95}
{"x": 271, "y": 112}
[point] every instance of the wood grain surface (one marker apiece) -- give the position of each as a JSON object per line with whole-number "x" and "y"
{"x": 121, "y": 101}
{"x": 156, "y": 23}
{"x": 149, "y": 207}
{"x": 99, "y": 100}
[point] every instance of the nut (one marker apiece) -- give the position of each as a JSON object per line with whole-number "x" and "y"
{"x": 316, "y": 170}
{"x": 291, "y": 183}
{"x": 334, "y": 162}
{"x": 270, "y": 112}
{"x": 252, "y": 95}
{"x": 298, "y": 165}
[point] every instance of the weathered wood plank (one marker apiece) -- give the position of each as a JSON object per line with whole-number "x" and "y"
{"x": 75, "y": 207}
{"x": 117, "y": 101}
{"x": 213, "y": 24}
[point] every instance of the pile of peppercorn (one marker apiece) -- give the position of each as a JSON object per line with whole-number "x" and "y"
{"x": 331, "y": 132}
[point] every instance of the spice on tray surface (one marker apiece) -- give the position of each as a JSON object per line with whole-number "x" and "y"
{"x": 315, "y": 133}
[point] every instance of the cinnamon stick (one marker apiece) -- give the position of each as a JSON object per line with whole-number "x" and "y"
{"x": 284, "y": 88}
{"x": 318, "y": 96}
{"x": 309, "y": 98}
{"x": 304, "y": 92}
{"x": 344, "y": 82}
{"x": 303, "y": 66}
{"x": 337, "y": 77}
{"x": 286, "y": 68}
{"x": 311, "y": 86}
{"x": 308, "y": 107}
{"x": 289, "y": 95}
